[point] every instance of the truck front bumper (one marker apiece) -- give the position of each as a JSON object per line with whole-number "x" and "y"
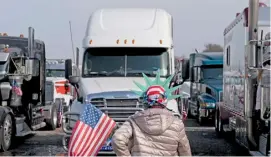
{"x": 106, "y": 153}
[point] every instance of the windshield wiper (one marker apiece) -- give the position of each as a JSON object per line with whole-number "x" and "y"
{"x": 139, "y": 73}
{"x": 105, "y": 73}
{"x": 115, "y": 72}
{"x": 96, "y": 74}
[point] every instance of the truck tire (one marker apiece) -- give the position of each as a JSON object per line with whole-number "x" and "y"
{"x": 52, "y": 123}
{"x": 70, "y": 106}
{"x": 60, "y": 111}
{"x": 7, "y": 133}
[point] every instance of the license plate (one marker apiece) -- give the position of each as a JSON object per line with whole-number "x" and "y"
{"x": 107, "y": 146}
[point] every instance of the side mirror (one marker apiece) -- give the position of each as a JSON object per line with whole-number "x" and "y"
{"x": 31, "y": 42}
{"x": 68, "y": 68}
{"x": 185, "y": 69}
{"x": 191, "y": 70}
{"x": 74, "y": 79}
{"x": 77, "y": 57}
{"x": 179, "y": 80}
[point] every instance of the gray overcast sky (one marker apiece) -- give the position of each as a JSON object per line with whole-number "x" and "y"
{"x": 196, "y": 22}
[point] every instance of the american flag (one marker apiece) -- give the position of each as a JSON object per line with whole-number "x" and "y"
{"x": 90, "y": 132}
{"x": 17, "y": 89}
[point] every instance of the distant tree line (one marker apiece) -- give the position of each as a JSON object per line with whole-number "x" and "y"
{"x": 213, "y": 48}
{"x": 207, "y": 48}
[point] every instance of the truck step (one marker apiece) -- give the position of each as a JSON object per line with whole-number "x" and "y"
{"x": 24, "y": 133}
{"x": 19, "y": 120}
{"x": 22, "y": 128}
{"x": 256, "y": 153}
{"x": 38, "y": 126}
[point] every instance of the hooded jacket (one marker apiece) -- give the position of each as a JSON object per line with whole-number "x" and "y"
{"x": 152, "y": 132}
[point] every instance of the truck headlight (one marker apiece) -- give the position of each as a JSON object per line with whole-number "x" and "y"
{"x": 207, "y": 104}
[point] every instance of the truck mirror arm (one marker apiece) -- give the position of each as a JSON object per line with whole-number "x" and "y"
{"x": 79, "y": 98}
{"x": 177, "y": 84}
{"x": 183, "y": 80}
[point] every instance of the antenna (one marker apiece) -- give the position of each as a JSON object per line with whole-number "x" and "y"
{"x": 72, "y": 39}
{"x": 197, "y": 50}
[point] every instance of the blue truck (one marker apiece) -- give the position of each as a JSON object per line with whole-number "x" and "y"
{"x": 205, "y": 71}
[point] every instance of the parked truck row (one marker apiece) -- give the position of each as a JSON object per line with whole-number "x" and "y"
{"x": 221, "y": 84}
{"x": 239, "y": 101}
{"x": 230, "y": 88}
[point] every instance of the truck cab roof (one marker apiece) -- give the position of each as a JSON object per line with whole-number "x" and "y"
{"x": 264, "y": 18}
{"x": 207, "y": 58}
{"x": 129, "y": 27}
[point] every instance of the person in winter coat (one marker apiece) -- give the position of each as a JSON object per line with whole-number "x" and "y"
{"x": 154, "y": 131}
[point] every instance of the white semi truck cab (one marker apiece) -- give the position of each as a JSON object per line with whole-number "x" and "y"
{"x": 120, "y": 45}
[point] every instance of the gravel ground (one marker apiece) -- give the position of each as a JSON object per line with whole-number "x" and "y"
{"x": 203, "y": 141}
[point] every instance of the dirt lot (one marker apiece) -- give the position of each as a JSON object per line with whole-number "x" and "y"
{"x": 203, "y": 141}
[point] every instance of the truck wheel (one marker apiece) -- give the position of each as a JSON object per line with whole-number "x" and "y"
{"x": 53, "y": 121}
{"x": 60, "y": 111}
{"x": 7, "y": 133}
{"x": 70, "y": 106}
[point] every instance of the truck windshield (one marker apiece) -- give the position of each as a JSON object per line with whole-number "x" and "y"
{"x": 103, "y": 62}
{"x": 214, "y": 72}
{"x": 55, "y": 73}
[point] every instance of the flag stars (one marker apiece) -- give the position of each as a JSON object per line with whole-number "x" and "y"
{"x": 95, "y": 122}
{"x": 91, "y": 115}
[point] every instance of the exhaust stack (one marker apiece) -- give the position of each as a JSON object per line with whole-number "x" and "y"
{"x": 77, "y": 57}
{"x": 253, "y": 62}
{"x": 253, "y": 12}
{"x": 31, "y": 42}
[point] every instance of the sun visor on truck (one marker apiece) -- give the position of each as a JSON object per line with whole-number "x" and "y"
{"x": 212, "y": 62}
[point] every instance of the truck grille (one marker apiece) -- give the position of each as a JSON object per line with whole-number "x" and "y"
{"x": 220, "y": 96}
{"x": 118, "y": 109}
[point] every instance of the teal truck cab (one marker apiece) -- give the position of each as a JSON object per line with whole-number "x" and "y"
{"x": 205, "y": 74}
